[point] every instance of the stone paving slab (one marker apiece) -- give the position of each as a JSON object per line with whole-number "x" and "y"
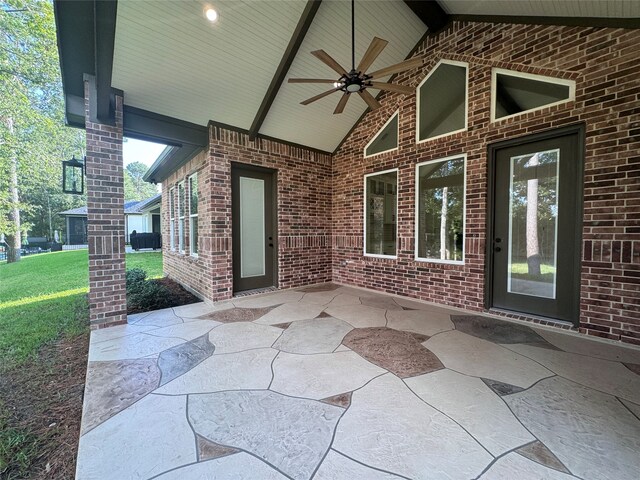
{"x": 481, "y": 358}
{"x": 514, "y": 466}
{"x": 146, "y": 439}
{"x": 469, "y": 402}
{"x": 390, "y": 428}
{"x": 331, "y": 382}
{"x": 591, "y": 432}
{"x": 290, "y": 434}
{"x": 321, "y": 376}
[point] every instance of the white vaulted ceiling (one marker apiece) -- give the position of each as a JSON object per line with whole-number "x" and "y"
{"x": 170, "y": 60}
{"x": 315, "y": 124}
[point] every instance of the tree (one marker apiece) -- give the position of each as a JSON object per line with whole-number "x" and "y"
{"x": 533, "y": 245}
{"x": 135, "y": 188}
{"x": 33, "y": 139}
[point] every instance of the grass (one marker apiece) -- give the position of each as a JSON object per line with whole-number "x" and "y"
{"x": 43, "y": 314}
{"x": 521, "y": 271}
{"x": 150, "y": 262}
{"x": 44, "y": 296}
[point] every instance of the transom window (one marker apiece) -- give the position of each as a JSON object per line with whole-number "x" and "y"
{"x": 513, "y": 93}
{"x": 440, "y": 205}
{"x": 381, "y": 213}
{"x": 386, "y": 140}
{"x": 442, "y": 101}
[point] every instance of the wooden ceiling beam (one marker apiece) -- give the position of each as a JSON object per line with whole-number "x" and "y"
{"x": 104, "y": 41}
{"x": 431, "y": 14}
{"x": 299, "y": 33}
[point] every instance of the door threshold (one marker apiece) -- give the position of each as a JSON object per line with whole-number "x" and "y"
{"x": 529, "y": 317}
{"x": 255, "y": 291}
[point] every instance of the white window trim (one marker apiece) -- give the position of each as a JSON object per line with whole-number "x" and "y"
{"x": 191, "y": 215}
{"x": 464, "y": 211}
{"x": 529, "y": 76}
{"x": 364, "y": 151}
{"x": 466, "y": 103}
{"x": 364, "y": 214}
{"x": 172, "y": 219}
{"x": 181, "y": 219}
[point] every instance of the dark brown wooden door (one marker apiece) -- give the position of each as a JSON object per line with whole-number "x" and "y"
{"x": 254, "y": 233}
{"x": 535, "y": 240}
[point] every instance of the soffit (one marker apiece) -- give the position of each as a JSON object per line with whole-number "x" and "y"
{"x": 315, "y": 124}
{"x": 170, "y": 60}
{"x": 545, "y": 8}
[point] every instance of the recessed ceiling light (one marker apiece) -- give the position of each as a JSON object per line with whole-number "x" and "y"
{"x": 211, "y": 14}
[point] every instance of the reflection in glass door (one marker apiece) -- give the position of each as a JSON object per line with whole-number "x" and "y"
{"x": 534, "y": 239}
{"x": 533, "y": 224}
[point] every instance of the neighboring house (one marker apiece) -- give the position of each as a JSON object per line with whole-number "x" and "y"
{"x": 142, "y": 216}
{"x": 505, "y": 181}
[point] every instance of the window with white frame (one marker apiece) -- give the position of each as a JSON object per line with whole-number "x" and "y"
{"x": 381, "y": 213}
{"x": 172, "y": 218}
{"x": 193, "y": 214}
{"x": 440, "y": 210}
{"x": 386, "y": 140}
{"x": 513, "y": 93}
{"x": 442, "y": 101}
{"x": 181, "y": 211}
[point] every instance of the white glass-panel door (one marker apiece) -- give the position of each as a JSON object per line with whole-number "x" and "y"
{"x": 252, "y": 235}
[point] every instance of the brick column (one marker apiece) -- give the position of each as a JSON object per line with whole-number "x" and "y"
{"x": 105, "y": 217}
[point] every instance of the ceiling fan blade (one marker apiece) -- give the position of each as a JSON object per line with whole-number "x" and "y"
{"x": 375, "y": 48}
{"x": 318, "y": 97}
{"x": 397, "y": 68}
{"x": 392, "y": 87}
{"x": 371, "y": 101}
{"x": 341, "y": 104}
{"x": 328, "y": 60}
{"x": 310, "y": 80}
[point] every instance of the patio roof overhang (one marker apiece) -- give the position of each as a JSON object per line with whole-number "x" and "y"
{"x": 178, "y": 72}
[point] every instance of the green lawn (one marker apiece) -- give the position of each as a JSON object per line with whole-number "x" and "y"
{"x": 150, "y": 262}
{"x": 44, "y": 296}
{"x": 521, "y": 270}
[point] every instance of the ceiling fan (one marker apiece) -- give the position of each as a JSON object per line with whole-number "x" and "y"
{"x": 357, "y": 80}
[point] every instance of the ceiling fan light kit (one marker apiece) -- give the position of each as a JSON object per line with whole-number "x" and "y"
{"x": 356, "y": 80}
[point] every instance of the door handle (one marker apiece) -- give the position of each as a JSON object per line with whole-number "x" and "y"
{"x": 498, "y": 249}
{"x": 498, "y": 240}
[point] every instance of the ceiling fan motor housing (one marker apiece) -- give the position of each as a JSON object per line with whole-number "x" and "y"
{"x": 353, "y": 82}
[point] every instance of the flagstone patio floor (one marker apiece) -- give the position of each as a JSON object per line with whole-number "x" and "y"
{"x": 333, "y": 382}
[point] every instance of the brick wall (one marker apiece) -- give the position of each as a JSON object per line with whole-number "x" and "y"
{"x": 604, "y": 64}
{"x": 105, "y": 219}
{"x": 304, "y": 213}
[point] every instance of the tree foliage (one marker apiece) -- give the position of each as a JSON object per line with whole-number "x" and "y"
{"x": 135, "y": 188}
{"x": 31, "y": 96}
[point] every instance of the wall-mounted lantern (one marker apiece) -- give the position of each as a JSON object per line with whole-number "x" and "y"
{"x": 73, "y": 176}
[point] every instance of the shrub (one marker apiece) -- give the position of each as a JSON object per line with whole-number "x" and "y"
{"x": 150, "y": 296}
{"x": 135, "y": 279}
{"x": 144, "y": 295}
